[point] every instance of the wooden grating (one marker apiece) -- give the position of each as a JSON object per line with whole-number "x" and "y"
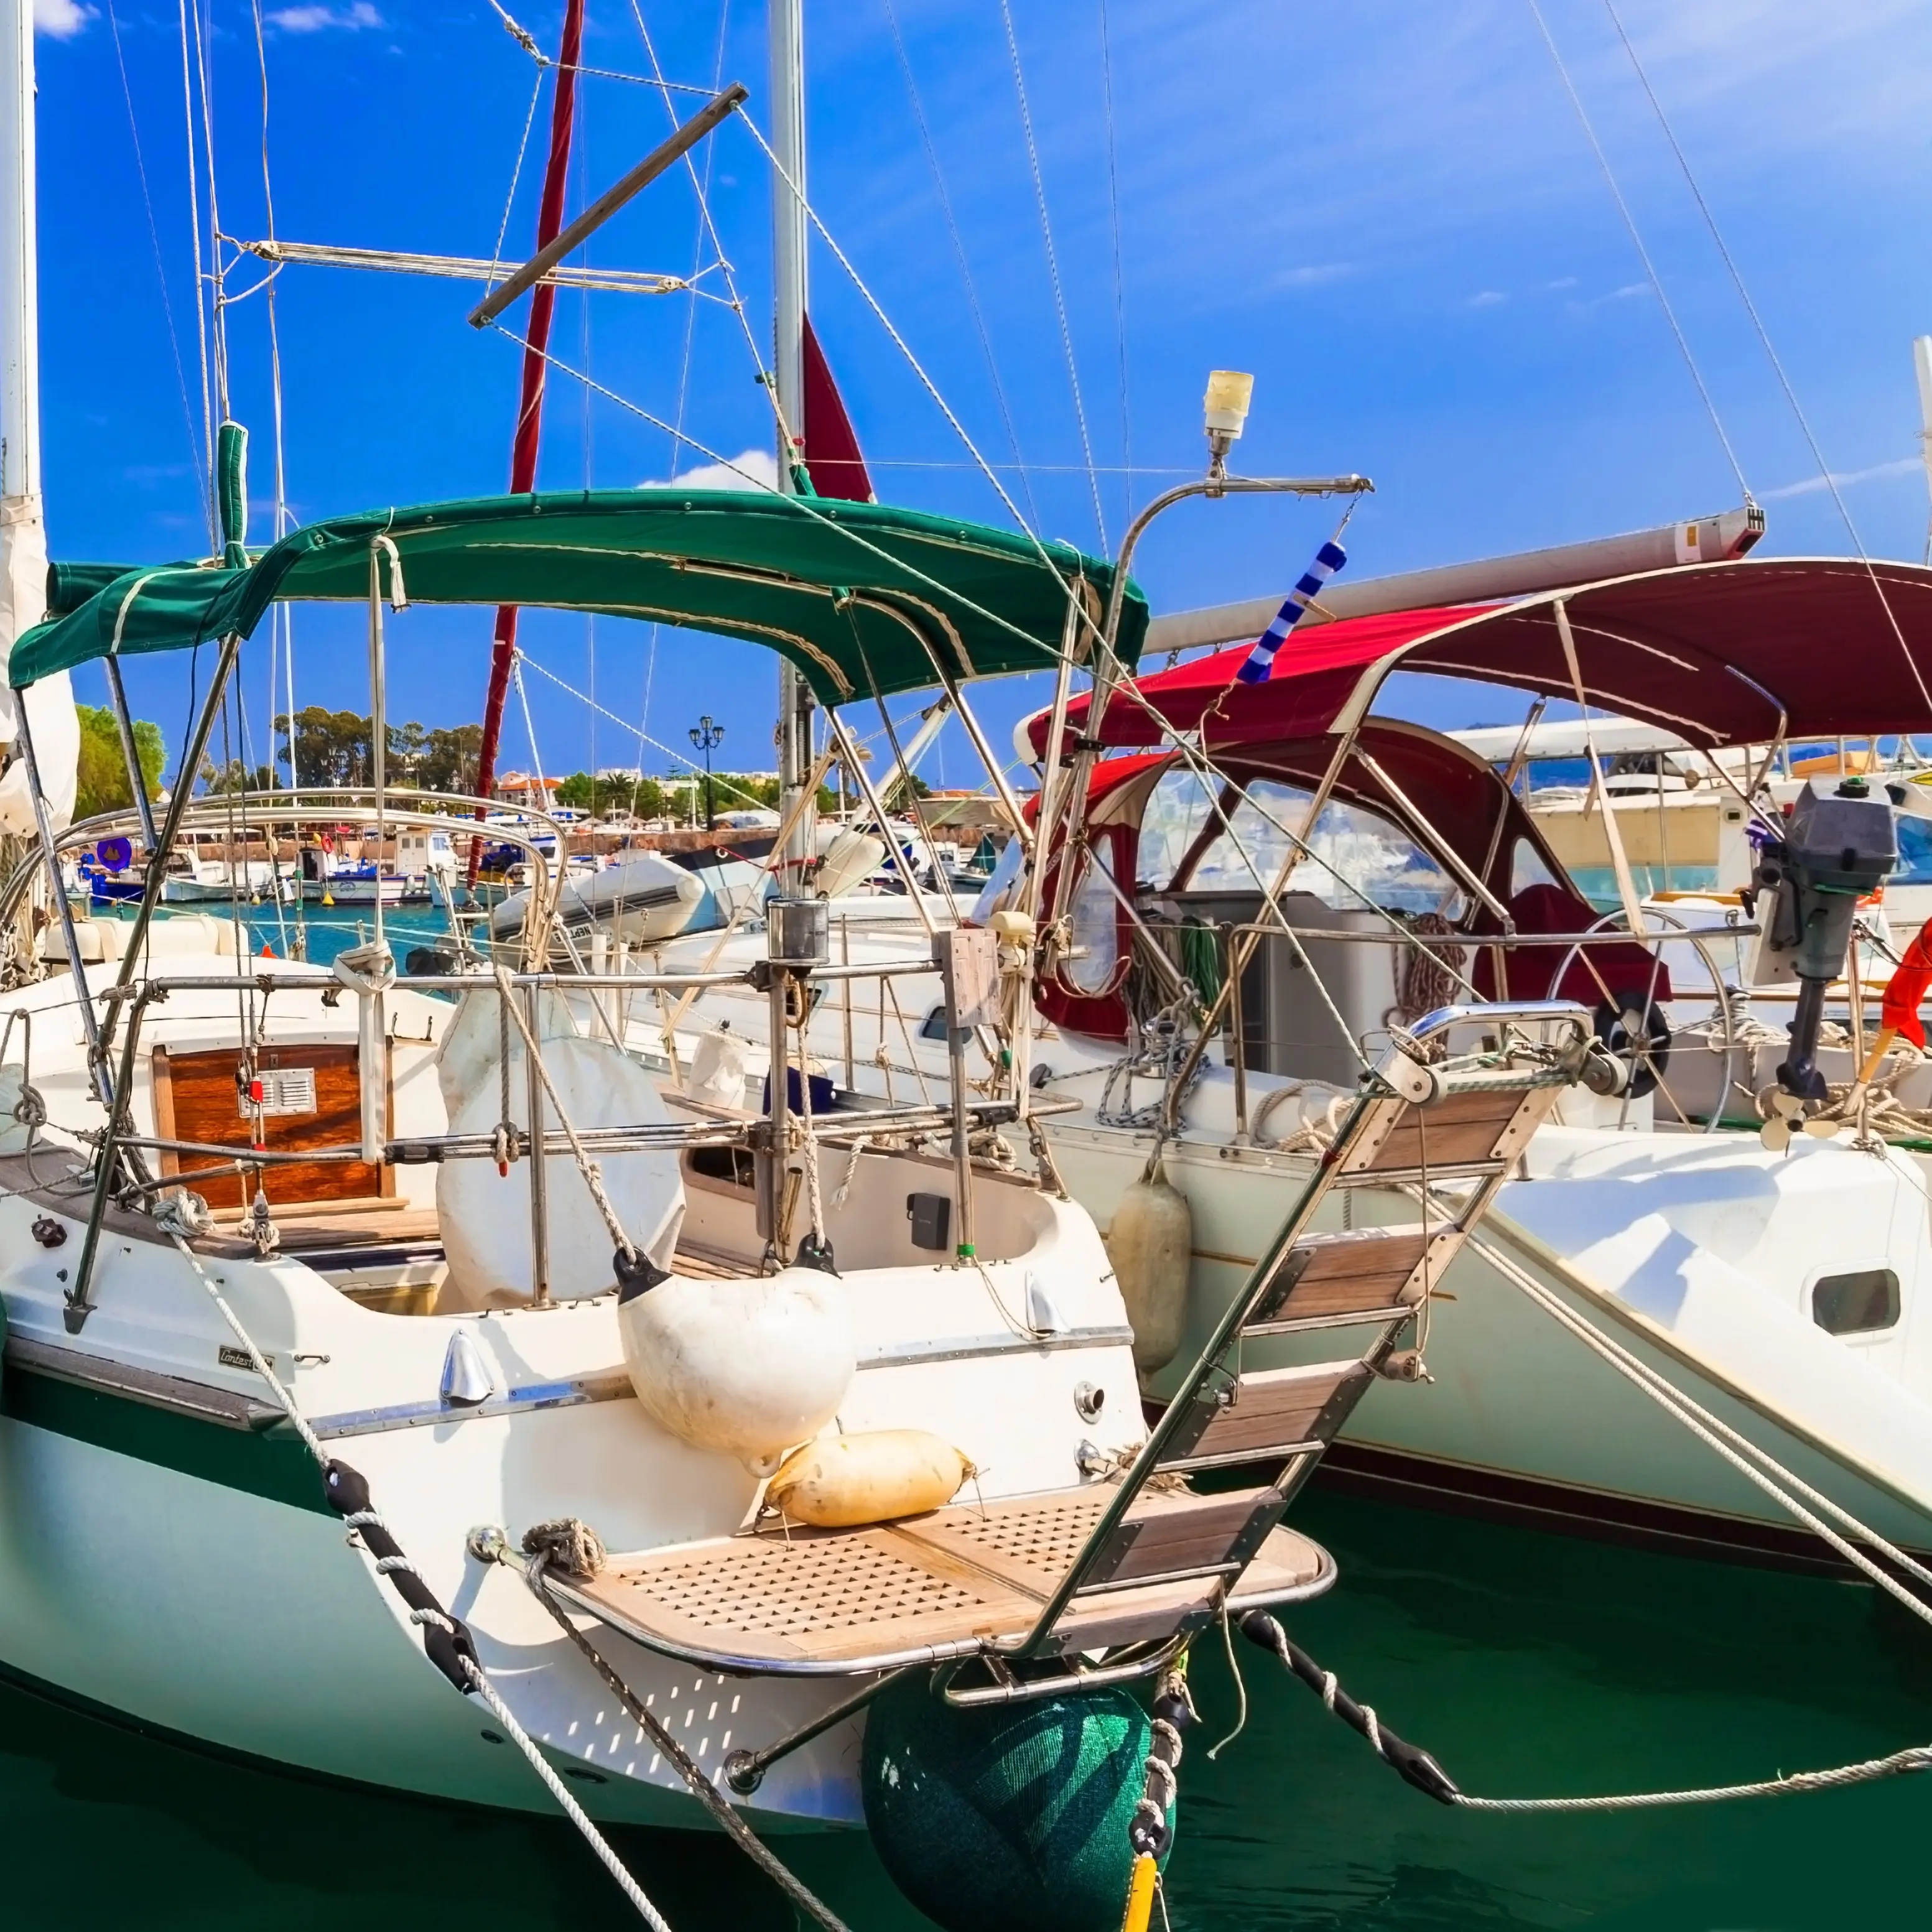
{"x": 943, "y": 1584}
{"x": 1458, "y": 1130}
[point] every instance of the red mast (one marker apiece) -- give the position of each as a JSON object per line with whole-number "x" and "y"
{"x": 530, "y": 407}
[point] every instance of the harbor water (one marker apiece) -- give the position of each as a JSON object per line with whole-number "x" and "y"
{"x": 1529, "y": 1664}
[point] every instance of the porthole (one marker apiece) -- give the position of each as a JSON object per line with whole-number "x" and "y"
{"x": 1861, "y": 1303}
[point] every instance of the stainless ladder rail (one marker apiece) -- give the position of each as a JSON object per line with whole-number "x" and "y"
{"x": 1480, "y": 1120}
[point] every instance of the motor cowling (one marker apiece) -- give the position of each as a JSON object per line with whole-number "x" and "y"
{"x": 1840, "y": 845}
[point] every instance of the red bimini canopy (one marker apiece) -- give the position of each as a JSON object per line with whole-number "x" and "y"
{"x": 1720, "y": 654}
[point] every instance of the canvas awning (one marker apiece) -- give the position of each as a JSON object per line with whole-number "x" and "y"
{"x": 1725, "y": 653}
{"x": 860, "y": 596}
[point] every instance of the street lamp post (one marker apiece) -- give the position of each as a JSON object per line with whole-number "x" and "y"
{"x": 706, "y": 737}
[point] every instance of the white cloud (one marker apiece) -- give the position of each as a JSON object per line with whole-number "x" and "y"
{"x": 1313, "y": 274}
{"x": 749, "y": 469}
{"x": 1903, "y": 466}
{"x": 320, "y": 19}
{"x": 1486, "y": 299}
{"x": 61, "y": 20}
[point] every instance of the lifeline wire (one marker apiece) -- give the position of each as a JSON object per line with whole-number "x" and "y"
{"x": 1643, "y": 253}
{"x": 1771, "y": 354}
{"x": 1053, "y": 270}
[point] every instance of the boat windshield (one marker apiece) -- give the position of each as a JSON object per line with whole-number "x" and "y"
{"x": 1356, "y": 855}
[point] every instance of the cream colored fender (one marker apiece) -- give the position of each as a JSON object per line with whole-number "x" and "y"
{"x": 1151, "y": 1244}
{"x": 878, "y": 1475}
{"x": 748, "y": 1368}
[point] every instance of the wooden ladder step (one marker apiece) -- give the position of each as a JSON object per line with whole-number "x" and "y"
{"x": 1182, "y": 1538}
{"x": 1276, "y": 1412}
{"x": 1483, "y": 1129}
{"x": 1365, "y": 1273}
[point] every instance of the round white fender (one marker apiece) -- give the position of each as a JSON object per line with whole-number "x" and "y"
{"x": 748, "y": 1368}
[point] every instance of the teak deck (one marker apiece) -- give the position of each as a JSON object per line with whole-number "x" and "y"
{"x": 931, "y": 1588}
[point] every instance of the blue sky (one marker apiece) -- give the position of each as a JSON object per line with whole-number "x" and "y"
{"x": 1388, "y": 212}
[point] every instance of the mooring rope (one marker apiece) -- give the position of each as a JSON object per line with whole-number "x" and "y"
{"x": 571, "y": 1545}
{"x": 446, "y": 1640}
{"x": 1415, "y": 1766}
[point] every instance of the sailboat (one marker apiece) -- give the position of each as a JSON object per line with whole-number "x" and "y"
{"x": 401, "y": 1387}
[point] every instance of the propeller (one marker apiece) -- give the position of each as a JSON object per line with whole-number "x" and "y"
{"x": 1775, "y": 1135}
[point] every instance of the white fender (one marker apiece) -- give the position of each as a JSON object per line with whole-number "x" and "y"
{"x": 748, "y": 1368}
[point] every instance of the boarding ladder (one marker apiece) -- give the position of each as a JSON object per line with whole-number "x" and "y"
{"x": 1028, "y": 1592}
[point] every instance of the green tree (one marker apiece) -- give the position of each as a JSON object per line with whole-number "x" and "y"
{"x": 448, "y": 761}
{"x": 101, "y": 779}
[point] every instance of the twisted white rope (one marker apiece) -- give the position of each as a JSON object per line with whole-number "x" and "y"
{"x": 571, "y": 1810}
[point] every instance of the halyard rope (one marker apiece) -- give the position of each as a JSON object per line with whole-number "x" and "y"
{"x": 424, "y": 1611}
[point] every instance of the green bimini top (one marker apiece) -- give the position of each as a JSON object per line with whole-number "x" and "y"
{"x": 861, "y": 597}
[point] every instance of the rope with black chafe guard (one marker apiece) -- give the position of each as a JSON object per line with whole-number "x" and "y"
{"x": 571, "y": 1546}
{"x": 1416, "y": 1767}
{"x": 446, "y": 1640}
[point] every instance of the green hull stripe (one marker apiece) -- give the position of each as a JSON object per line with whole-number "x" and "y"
{"x": 272, "y": 1464}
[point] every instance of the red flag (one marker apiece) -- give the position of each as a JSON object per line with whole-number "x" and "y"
{"x": 1905, "y": 992}
{"x": 832, "y": 458}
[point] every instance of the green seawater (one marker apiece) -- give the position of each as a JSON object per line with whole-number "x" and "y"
{"x": 1529, "y": 1664}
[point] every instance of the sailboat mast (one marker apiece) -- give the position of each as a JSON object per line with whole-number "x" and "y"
{"x": 787, "y": 33}
{"x": 19, "y": 276}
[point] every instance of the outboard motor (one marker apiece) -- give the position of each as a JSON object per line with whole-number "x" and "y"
{"x": 1839, "y": 845}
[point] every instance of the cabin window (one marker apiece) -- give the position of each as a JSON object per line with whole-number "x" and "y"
{"x": 1096, "y": 923}
{"x": 1861, "y": 1303}
{"x": 734, "y": 1165}
{"x": 1528, "y": 867}
{"x": 1176, "y": 808}
{"x": 1355, "y": 858}
{"x": 933, "y": 1027}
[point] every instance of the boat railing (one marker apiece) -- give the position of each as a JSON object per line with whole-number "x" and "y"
{"x": 123, "y": 1174}
{"x": 1669, "y": 929}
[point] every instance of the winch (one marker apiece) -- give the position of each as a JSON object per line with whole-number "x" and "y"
{"x": 1839, "y": 845}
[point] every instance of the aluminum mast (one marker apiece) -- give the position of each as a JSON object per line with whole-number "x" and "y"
{"x": 786, "y": 28}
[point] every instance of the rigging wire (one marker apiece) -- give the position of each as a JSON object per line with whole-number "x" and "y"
{"x": 282, "y": 623}
{"x": 898, "y": 341}
{"x": 959, "y": 254}
{"x": 1637, "y": 242}
{"x": 1120, "y": 278}
{"x": 703, "y": 187}
{"x": 1053, "y": 271}
{"x": 202, "y": 469}
{"x": 787, "y": 439}
{"x": 1764, "y": 339}
{"x": 200, "y": 291}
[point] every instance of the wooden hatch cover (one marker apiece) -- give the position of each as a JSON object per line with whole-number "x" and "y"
{"x": 312, "y": 1099}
